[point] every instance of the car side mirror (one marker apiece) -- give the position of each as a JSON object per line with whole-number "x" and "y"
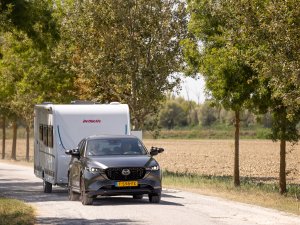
{"x": 155, "y": 150}
{"x": 160, "y": 150}
{"x": 73, "y": 152}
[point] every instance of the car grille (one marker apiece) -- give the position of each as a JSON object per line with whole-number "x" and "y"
{"x": 116, "y": 173}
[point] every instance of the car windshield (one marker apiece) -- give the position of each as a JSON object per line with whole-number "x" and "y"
{"x": 115, "y": 146}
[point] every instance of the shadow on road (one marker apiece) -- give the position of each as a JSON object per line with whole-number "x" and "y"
{"x": 165, "y": 195}
{"x": 30, "y": 191}
{"x": 9, "y": 170}
{"x": 33, "y": 192}
{"x": 110, "y": 201}
{"x": 67, "y": 221}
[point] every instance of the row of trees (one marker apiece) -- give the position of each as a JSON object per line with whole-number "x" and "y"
{"x": 130, "y": 51}
{"x": 248, "y": 52}
{"x": 108, "y": 50}
{"x": 180, "y": 113}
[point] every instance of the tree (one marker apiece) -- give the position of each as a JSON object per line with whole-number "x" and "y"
{"x": 208, "y": 114}
{"x": 211, "y": 50}
{"x": 125, "y": 51}
{"x": 266, "y": 37}
{"x": 20, "y": 21}
{"x": 3, "y": 136}
{"x": 172, "y": 115}
{"x": 29, "y": 76}
{"x": 272, "y": 29}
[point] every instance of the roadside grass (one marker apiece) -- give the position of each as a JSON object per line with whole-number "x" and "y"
{"x": 251, "y": 190}
{"x": 15, "y": 212}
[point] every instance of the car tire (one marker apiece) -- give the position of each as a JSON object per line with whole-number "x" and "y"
{"x": 47, "y": 187}
{"x": 154, "y": 198}
{"x": 85, "y": 199}
{"x": 137, "y": 196}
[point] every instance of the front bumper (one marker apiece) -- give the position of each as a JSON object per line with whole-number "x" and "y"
{"x": 99, "y": 184}
{"x": 123, "y": 191}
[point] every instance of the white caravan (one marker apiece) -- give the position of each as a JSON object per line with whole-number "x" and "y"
{"x": 61, "y": 127}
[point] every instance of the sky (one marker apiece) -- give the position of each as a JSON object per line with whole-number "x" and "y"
{"x": 192, "y": 89}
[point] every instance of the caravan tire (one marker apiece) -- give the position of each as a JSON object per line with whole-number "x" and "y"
{"x": 73, "y": 196}
{"x": 47, "y": 187}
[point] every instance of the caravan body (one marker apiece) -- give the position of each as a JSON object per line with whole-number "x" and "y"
{"x": 61, "y": 127}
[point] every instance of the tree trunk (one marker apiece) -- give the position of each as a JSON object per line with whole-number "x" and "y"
{"x": 27, "y": 142}
{"x": 236, "y": 172}
{"x": 282, "y": 173}
{"x": 3, "y": 136}
{"x": 14, "y": 143}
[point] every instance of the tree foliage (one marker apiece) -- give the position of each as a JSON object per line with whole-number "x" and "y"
{"x": 32, "y": 17}
{"x": 124, "y": 51}
{"x": 172, "y": 115}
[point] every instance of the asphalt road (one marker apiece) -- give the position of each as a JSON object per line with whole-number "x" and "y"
{"x": 176, "y": 207}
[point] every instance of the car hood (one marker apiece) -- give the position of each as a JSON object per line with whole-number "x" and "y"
{"x": 121, "y": 161}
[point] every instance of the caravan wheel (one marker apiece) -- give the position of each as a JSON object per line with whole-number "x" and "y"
{"x": 73, "y": 196}
{"x": 47, "y": 187}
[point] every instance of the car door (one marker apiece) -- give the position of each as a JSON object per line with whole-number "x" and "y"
{"x": 75, "y": 168}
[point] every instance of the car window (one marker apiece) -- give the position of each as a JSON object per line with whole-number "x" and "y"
{"x": 81, "y": 147}
{"x": 115, "y": 146}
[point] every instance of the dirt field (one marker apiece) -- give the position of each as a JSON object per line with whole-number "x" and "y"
{"x": 258, "y": 158}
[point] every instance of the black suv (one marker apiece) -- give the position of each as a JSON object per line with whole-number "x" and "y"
{"x": 113, "y": 165}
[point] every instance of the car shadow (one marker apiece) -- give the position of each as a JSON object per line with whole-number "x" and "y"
{"x": 33, "y": 192}
{"x": 74, "y": 221}
{"x": 127, "y": 200}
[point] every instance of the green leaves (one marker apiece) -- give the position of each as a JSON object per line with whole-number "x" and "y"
{"x": 28, "y": 75}
{"x": 214, "y": 51}
{"x": 125, "y": 51}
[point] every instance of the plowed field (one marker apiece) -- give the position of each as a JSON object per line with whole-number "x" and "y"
{"x": 258, "y": 158}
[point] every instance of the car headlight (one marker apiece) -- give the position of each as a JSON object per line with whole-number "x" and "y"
{"x": 153, "y": 168}
{"x": 94, "y": 169}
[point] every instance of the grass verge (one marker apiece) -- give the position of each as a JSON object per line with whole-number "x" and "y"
{"x": 15, "y": 212}
{"x": 216, "y": 132}
{"x": 251, "y": 191}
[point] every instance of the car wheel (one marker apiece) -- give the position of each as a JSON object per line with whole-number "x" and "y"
{"x": 85, "y": 199}
{"x": 47, "y": 187}
{"x": 73, "y": 196}
{"x": 137, "y": 196}
{"x": 154, "y": 198}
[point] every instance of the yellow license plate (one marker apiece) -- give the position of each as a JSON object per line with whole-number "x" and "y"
{"x": 126, "y": 184}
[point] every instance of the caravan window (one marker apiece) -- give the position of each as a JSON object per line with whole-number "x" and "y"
{"x": 41, "y": 132}
{"x": 45, "y": 134}
{"x": 50, "y": 136}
